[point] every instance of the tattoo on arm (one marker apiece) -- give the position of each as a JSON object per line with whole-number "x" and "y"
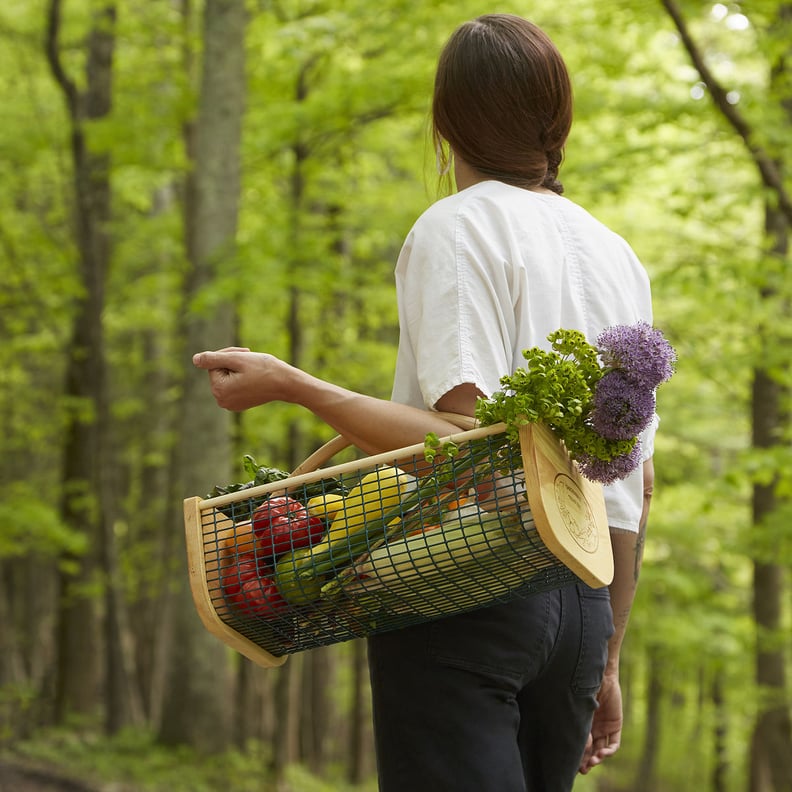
{"x": 621, "y": 618}
{"x": 640, "y": 541}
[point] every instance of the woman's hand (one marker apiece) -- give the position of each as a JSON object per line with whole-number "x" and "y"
{"x": 605, "y": 737}
{"x": 241, "y": 379}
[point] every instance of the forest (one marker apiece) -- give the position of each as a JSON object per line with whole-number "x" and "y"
{"x": 183, "y": 175}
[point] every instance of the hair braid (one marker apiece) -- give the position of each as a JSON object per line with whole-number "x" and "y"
{"x": 551, "y": 181}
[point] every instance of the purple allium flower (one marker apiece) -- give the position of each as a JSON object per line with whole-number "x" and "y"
{"x": 607, "y": 472}
{"x": 622, "y": 407}
{"x": 640, "y": 350}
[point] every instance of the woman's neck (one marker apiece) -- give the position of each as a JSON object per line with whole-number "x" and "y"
{"x": 465, "y": 175}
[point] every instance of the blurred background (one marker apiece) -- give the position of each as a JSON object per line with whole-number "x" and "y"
{"x": 181, "y": 175}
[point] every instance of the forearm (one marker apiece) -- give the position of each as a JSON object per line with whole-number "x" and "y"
{"x": 628, "y": 548}
{"x": 627, "y": 551}
{"x": 373, "y": 425}
{"x": 241, "y": 379}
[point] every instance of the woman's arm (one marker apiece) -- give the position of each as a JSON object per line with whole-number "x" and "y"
{"x": 241, "y": 379}
{"x": 628, "y": 549}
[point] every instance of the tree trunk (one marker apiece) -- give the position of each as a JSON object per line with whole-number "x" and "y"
{"x": 645, "y": 778}
{"x": 358, "y": 765}
{"x": 771, "y": 744}
{"x": 720, "y": 769}
{"x": 287, "y": 695}
{"x": 316, "y": 703}
{"x": 197, "y": 696}
{"x": 79, "y": 648}
{"x": 123, "y": 703}
{"x": 150, "y": 510}
{"x": 245, "y": 699}
{"x": 287, "y": 707}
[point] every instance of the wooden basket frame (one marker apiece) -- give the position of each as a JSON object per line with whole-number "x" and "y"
{"x": 568, "y": 511}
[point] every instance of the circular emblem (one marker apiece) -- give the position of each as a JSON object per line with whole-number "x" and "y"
{"x": 575, "y": 512}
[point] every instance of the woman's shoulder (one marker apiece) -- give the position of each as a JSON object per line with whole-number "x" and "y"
{"x": 493, "y": 208}
{"x": 481, "y": 201}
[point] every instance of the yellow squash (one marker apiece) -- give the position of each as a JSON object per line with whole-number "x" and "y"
{"x": 325, "y": 506}
{"x": 377, "y": 493}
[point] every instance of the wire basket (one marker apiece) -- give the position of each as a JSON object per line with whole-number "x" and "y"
{"x": 335, "y": 553}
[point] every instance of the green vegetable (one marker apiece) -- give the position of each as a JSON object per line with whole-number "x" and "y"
{"x": 261, "y": 474}
{"x": 438, "y": 549}
{"x": 241, "y": 510}
{"x": 297, "y": 589}
{"x": 556, "y": 388}
{"x": 434, "y": 571}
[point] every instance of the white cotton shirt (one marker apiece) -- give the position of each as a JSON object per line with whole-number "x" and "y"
{"x": 493, "y": 270}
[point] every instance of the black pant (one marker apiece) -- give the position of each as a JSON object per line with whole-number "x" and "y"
{"x": 496, "y": 700}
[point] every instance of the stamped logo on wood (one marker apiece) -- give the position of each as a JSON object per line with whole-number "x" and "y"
{"x": 576, "y": 513}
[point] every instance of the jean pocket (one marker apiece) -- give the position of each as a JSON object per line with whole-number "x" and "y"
{"x": 596, "y": 627}
{"x": 508, "y": 641}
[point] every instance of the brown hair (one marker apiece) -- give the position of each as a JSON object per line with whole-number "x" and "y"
{"x": 503, "y": 100}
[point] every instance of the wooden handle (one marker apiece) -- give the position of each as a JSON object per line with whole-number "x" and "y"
{"x": 465, "y": 422}
{"x": 339, "y": 443}
{"x": 322, "y": 455}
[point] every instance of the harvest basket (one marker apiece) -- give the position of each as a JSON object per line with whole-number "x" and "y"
{"x": 481, "y": 526}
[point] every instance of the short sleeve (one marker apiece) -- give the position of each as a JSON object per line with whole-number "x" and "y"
{"x": 456, "y": 310}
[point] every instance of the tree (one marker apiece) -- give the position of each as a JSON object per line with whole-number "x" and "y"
{"x": 83, "y": 505}
{"x": 771, "y": 746}
{"x": 196, "y": 708}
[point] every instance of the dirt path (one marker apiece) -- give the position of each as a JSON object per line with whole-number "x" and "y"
{"x": 22, "y": 778}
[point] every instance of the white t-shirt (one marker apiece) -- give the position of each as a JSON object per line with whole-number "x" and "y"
{"x": 493, "y": 270}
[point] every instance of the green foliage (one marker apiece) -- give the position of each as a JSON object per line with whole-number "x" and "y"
{"x": 555, "y": 387}
{"x": 30, "y": 526}
{"x": 336, "y": 166}
{"x": 133, "y": 760}
{"x": 298, "y": 779}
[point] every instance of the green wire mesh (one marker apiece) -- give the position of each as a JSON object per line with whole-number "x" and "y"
{"x": 457, "y": 537}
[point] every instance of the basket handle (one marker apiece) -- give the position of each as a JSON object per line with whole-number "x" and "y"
{"x": 326, "y": 452}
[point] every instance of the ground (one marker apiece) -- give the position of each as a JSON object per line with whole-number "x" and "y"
{"x": 22, "y": 778}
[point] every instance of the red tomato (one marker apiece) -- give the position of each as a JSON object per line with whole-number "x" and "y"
{"x": 260, "y": 597}
{"x": 237, "y": 574}
{"x": 283, "y": 524}
{"x": 248, "y": 587}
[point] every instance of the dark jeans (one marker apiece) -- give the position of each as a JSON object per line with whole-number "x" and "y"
{"x": 496, "y": 700}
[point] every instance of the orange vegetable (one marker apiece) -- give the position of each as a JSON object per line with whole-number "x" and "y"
{"x": 241, "y": 540}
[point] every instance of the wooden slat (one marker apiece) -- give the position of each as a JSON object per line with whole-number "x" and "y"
{"x": 568, "y": 509}
{"x": 206, "y": 607}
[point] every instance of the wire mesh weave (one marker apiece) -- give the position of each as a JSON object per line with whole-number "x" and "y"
{"x": 321, "y": 559}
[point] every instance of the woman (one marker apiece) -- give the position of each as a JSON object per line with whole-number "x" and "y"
{"x": 523, "y": 695}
